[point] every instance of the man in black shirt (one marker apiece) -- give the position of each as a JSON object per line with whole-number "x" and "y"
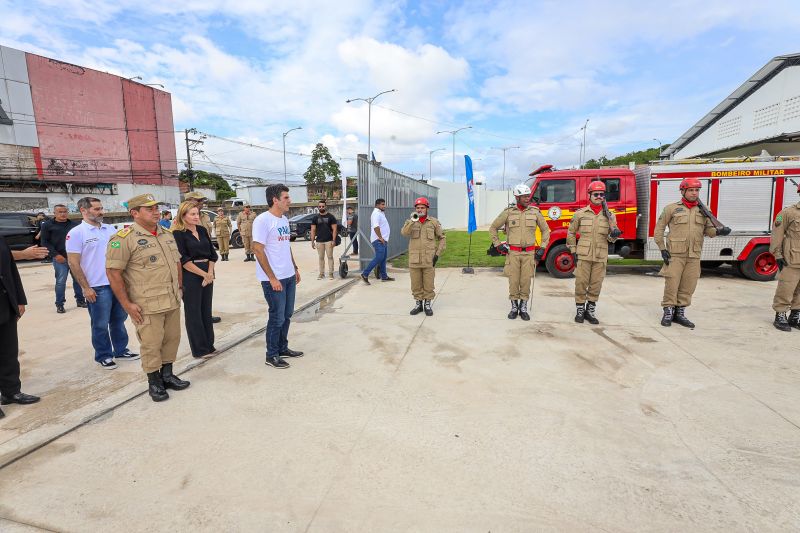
{"x": 54, "y": 238}
{"x": 352, "y": 227}
{"x": 323, "y": 237}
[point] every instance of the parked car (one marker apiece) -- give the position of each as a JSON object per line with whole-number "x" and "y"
{"x": 19, "y": 229}
{"x": 300, "y": 226}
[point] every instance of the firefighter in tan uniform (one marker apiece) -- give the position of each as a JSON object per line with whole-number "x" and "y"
{"x": 520, "y": 223}
{"x": 681, "y": 251}
{"x": 591, "y": 251}
{"x": 222, "y": 226}
{"x": 245, "y": 224}
{"x": 144, "y": 270}
{"x": 426, "y": 242}
{"x": 784, "y": 244}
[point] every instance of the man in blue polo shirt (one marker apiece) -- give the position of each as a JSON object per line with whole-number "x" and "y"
{"x": 86, "y": 250}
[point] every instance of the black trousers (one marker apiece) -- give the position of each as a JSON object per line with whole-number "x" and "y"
{"x": 197, "y": 312}
{"x": 9, "y": 349}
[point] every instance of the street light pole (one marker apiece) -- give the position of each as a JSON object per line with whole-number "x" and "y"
{"x": 453, "y": 133}
{"x": 583, "y": 146}
{"x": 659, "y": 146}
{"x": 504, "y": 149}
{"x": 430, "y": 161}
{"x": 369, "y": 125}
{"x": 284, "y": 150}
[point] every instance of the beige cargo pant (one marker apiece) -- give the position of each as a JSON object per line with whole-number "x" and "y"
{"x": 520, "y": 269}
{"x": 787, "y": 294}
{"x": 422, "y": 282}
{"x": 325, "y": 249}
{"x": 681, "y": 276}
{"x": 247, "y": 240}
{"x": 589, "y": 276}
{"x": 159, "y": 337}
{"x": 223, "y": 241}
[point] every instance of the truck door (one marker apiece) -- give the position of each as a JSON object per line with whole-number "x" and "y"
{"x": 557, "y": 200}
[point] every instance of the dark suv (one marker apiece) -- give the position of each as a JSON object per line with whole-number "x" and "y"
{"x": 19, "y": 229}
{"x": 300, "y": 226}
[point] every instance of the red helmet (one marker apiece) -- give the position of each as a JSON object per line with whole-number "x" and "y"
{"x": 690, "y": 183}
{"x": 597, "y": 186}
{"x": 422, "y": 201}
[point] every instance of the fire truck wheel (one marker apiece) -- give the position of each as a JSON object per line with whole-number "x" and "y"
{"x": 760, "y": 265}
{"x": 560, "y": 263}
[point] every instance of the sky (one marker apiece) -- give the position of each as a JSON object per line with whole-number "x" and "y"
{"x": 523, "y": 74}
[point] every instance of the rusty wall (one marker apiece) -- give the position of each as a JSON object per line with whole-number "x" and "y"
{"x": 166, "y": 137}
{"x": 140, "y": 117}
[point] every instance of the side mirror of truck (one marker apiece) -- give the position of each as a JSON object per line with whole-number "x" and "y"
{"x": 537, "y": 200}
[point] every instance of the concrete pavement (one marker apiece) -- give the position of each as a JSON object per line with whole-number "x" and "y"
{"x": 464, "y": 421}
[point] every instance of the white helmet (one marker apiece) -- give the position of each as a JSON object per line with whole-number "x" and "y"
{"x": 522, "y": 190}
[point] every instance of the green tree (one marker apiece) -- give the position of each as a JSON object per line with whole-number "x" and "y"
{"x": 208, "y": 180}
{"x": 322, "y": 167}
{"x": 638, "y": 156}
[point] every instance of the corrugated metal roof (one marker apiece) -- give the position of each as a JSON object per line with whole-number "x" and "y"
{"x": 764, "y": 74}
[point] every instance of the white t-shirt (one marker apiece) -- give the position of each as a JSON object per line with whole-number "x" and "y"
{"x": 91, "y": 242}
{"x": 274, "y": 233}
{"x": 378, "y": 219}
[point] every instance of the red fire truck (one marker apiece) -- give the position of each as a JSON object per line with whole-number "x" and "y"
{"x": 745, "y": 195}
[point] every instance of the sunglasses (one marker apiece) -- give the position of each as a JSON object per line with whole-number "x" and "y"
{"x": 598, "y": 194}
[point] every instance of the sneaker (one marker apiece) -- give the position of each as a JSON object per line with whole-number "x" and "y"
{"x": 387, "y": 278}
{"x": 321, "y": 276}
{"x": 291, "y": 353}
{"x": 108, "y": 364}
{"x": 277, "y": 362}
{"x": 365, "y": 279}
{"x": 330, "y": 276}
{"x": 60, "y": 309}
{"x": 82, "y": 304}
{"x": 127, "y": 356}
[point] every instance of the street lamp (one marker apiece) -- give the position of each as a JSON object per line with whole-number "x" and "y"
{"x": 284, "y": 149}
{"x": 153, "y": 84}
{"x": 430, "y": 161}
{"x": 583, "y": 145}
{"x": 369, "y": 125}
{"x": 453, "y": 133}
{"x": 505, "y": 149}
{"x": 659, "y": 146}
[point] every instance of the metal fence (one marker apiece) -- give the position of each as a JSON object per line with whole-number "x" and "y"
{"x": 399, "y": 191}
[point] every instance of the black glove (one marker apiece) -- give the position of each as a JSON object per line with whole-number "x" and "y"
{"x": 574, "y": 259}
{"x": 503, "y": 248}
{"x": 435, "y": 258}
{"x": 781, "y": 263}
{"x": 539, "y": 254}
{"x": 665, "y": 256}
{"x": 724, "y": 230}
{"x": 616, "y": 232}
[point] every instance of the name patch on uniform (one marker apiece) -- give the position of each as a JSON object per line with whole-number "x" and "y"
{"x": 141, "y": 241}
{"x": 115, "y": 244}
{"x": 679, "y": 209}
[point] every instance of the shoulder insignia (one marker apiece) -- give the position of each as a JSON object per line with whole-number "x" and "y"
{"x": 124, "y": 232}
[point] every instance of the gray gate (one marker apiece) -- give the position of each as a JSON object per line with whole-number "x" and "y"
{"x": 399, "y": 191}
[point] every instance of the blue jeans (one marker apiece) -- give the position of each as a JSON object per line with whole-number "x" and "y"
{"x": 61, "y": 270}
{"x": 281, "y": 308}
{"x": 109, "y": 336}
{"x": 379, "y": 260}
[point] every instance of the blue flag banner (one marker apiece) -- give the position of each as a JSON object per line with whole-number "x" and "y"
{"x": 471, "y": 224}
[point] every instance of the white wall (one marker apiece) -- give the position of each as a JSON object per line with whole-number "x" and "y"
{"x": 453, "y": 206}
{"x": 257, "y": 194}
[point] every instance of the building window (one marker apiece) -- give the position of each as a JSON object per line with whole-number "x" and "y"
{"x": 555, "y": 191}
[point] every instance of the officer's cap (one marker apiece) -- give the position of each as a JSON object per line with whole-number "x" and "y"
{"x": 143, "y": 200}
{"x": 194, "y": 196}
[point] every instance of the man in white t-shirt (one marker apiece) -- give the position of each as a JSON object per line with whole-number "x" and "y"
{"x": 379, "y": 235}
{"x": 277, "y": 272}
{"x": 86, "y": 253}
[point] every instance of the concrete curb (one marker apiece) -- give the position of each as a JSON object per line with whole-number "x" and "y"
{"x": 27, "y": 449}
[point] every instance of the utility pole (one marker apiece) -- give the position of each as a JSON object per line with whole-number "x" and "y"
{"x": 583, "y": 145}
{"x": 504, "y": 149}
{"x": 284, "y": 150}
{"x": 190, "y": 149}
{"x": 453, "y": 133}
{"x": 430, "y": 161}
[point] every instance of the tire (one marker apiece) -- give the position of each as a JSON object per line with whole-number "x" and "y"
{"x": 559, "y": 262}
{"x": 307, "y": 234}
{"x": 711, "y": 264}
{"x": 236, "y": 240}
{"x": 760, "y": 265}
{"x": 343, "y": 269}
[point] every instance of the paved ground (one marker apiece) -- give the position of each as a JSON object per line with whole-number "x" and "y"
{"x": 464, "y": 421}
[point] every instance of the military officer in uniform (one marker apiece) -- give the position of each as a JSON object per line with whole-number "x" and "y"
{"x": 245, "y": 223}
{"x": 681, "y": 251}
{"x": 222, "y": 226}
{"x": 784, "y": 244}
{"x": 144, "y": 270}
{"x": 426, "y": 242}
{"x": 520, "y": 223}
{"x": 591, "y": 251}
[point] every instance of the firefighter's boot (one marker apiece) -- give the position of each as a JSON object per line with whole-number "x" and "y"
{"x": 680, "y": 318}
{"x": 428, "y": 310}
{"x": 514, "y": 310}
{"x": 417, "y": 308}
{"x": 580, "y": 310}
{"x": 523, "y": 310}
{"x": 794, "y": 318}
{"x": 666, "y": 320}
{"x": 590, "y": 318}
{"x": 781, "y": 322}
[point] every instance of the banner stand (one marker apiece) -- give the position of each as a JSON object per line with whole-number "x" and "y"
{"x": 471, "y": 223}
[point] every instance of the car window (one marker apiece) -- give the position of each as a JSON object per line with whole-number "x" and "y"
{"x": 14, "y": 220}
{"x": 612, "y": 189}
{"x": 555, "y": 191}
{"x": 296, "y": 218}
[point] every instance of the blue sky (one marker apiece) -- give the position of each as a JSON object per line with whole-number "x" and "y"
{"x": 524, "y": 74}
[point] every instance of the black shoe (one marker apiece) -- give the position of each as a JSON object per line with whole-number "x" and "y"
{"x": 523, "y": 310}
{"x": 20, "y": 398}
{"x": 680, "y": 318}
{"x": 2, "y": 414}
{"x": 155, "y": 387}
{"x": 365, "y": 279}
{"x": 216, "y": 319}
{"x": 277, "y": 362}
{"x": 417, "y": 308}
{"x": 127, "y": 356}
{"x": 82, "y": 304}
{"x": 781, "y": 322}
{"x": 428, "y": 310}
{"x": 60, "y": 309}
{"x": 514, "y": 310}
{"x": 291, "y": 353}
{"x": 590, "y": 307}
{"x": 170, "y": 380}
{"x": 580, "y": 310}
{"x": 387, "y": 278}
{"x": 666, "y": 320}
{"x": 794, "y": 318}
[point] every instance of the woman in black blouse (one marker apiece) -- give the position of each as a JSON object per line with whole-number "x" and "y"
{"x": 197, "y": 257}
